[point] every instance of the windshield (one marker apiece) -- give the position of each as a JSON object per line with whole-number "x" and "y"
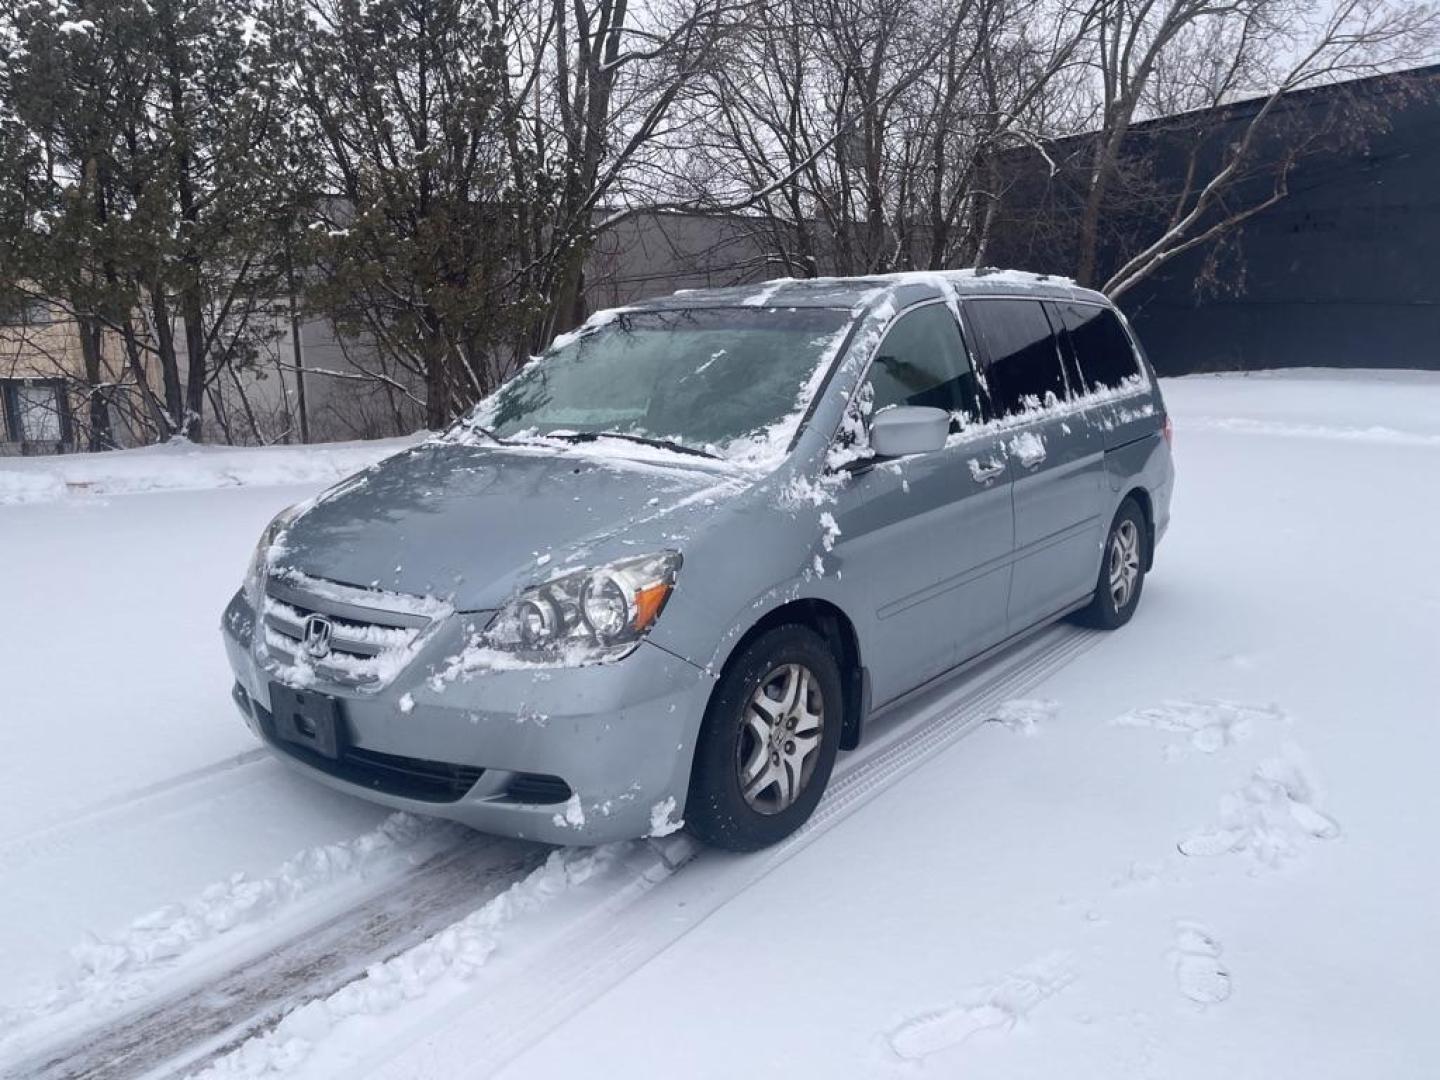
{"x": 732, "y": 382}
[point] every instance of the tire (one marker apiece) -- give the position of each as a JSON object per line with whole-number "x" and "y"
{"x": 738, "y": 743}
{"x": 1122, "y": 570}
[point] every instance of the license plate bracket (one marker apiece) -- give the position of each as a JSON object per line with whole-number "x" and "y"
{"x": 309, "y": 719}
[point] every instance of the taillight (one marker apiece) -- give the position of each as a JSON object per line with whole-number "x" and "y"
{"x": 1168, "y": 431}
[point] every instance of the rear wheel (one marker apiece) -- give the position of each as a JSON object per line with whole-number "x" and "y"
{"x": 768, "y": 742}
{"x": 1122, "y": 570}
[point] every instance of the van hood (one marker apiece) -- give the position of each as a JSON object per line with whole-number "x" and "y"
{"x": 474, "y": 524}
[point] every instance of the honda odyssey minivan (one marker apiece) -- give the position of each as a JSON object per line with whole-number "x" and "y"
{"x": 666, "y": 572}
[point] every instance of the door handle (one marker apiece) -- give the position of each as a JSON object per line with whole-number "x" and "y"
{"x": 983, "y": 473}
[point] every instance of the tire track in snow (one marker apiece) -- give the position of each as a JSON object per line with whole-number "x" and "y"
{"x": 195, "y": 1026}
{"x": 196, "y": 1023}
{"x": 600, "y": 951}
{"x": 107, "y": 812}
{"x": 183, "y": 942}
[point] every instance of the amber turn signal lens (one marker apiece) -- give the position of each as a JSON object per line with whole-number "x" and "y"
{"x": 648, "y": 602}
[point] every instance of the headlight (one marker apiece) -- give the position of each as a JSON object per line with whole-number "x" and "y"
{"x": 587, "y": 616}
{"x": 260, "y": 560}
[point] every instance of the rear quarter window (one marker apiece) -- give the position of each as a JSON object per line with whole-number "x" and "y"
{"x": 1102, "y": 349}
{"x": 1023, "y": 370}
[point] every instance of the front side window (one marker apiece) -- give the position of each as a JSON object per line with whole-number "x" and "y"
{"x": 1101, "y": 347}
{"x": 923, "y": 361}
{"x": 719, "y": 380}
{"x": 1024, "y": 370}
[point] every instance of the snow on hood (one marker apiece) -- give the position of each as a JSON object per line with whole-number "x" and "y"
{"x": 473, "y": 524}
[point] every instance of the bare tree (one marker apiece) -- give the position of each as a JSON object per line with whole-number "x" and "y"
{"x": 866, "y": 126}
{"x": 1155, "y": 59}
{"x": 615, "y": 92}
{"x": 471, "y": 153}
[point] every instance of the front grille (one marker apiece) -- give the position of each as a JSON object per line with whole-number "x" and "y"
{"x": 372, "y": 635}
{"x": 390, "y": 774}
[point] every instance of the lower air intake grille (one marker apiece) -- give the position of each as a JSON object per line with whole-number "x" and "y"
{"x": 437, "y": 781}
{"x": 536, "y": 788}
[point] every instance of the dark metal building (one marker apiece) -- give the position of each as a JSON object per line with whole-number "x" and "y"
{"x": 1343, "y": 272}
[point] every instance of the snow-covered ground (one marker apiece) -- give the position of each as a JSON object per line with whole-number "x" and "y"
{"x": 1197, "y": 847}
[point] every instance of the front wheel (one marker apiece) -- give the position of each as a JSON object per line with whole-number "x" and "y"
{"x": 1122, "y": 571}
{"x": 768, "y": 742}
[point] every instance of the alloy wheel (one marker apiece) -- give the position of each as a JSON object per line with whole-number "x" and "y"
{"x": 1124, "y": 563}
{"x": 777, "y": 750}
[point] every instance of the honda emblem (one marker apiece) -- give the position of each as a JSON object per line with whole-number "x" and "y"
{"x": 318, "y": 632}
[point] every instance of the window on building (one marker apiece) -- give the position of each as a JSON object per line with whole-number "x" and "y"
{"x": 1024, "y": 365}
{"x": 923, "y": 361}
{"x": 33, "y": 410}
{"x": 20, "y": 311}
{"x": 1101, "y": 346}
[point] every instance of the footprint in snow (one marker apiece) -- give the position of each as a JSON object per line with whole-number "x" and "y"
{"x": 1212, "y": 841}
{"x": 1210, "y": 725}
{"x": 1314, "y": 822}
{"x": 1198, "y": 971}
{"x": 1025, "y": 716}
{"x": 930, "y": 1033}
{"x": 997, "y": 1007}
{"x": 1269, "y": 817}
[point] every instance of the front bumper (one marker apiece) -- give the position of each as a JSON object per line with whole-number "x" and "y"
{"x": 503, "y": 751}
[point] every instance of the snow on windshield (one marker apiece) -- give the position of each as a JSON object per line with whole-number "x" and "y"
{"x": 731, "y": 383}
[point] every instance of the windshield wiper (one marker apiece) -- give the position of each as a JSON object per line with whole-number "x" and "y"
{"x": 644, "y": 440}
{"x": 469, "y": 426}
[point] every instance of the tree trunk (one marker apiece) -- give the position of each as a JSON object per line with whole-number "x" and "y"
{"x": 191, "y": 301}
{"x": 437, "y": 385}
{"x": 567, "y": 303}
{"x": 297, "y": 343}
{"x": 1088, "y": 235}
{"x": 169, "y": 362}
{"x": 136, "y": 363}
{"x": 192, "y": 426}
{"x": 101, "y": 434}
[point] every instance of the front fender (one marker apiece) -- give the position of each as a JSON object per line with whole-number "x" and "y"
{"x": 769, "y": 549}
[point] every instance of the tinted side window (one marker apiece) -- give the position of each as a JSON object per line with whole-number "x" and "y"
{"x": 923, "y": 361}
{"x": 1073, "y": 379}
{"x": 1024, "y": 367}
{"x": 1101, "y": 346}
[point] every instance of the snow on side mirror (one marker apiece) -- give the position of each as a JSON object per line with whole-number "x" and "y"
{"x": 908, "y": 429}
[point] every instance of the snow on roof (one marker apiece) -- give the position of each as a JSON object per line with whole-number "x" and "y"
{"x": 853, "y": 292}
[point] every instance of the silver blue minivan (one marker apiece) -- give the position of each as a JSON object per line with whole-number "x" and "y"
{"x": 665, "y": 573}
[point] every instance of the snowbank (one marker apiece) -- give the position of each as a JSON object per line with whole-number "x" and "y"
{"x": 1396, "y": 408}
{"x": 184, "y": 466}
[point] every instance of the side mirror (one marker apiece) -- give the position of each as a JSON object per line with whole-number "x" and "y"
{"x": 908, "y": 429}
